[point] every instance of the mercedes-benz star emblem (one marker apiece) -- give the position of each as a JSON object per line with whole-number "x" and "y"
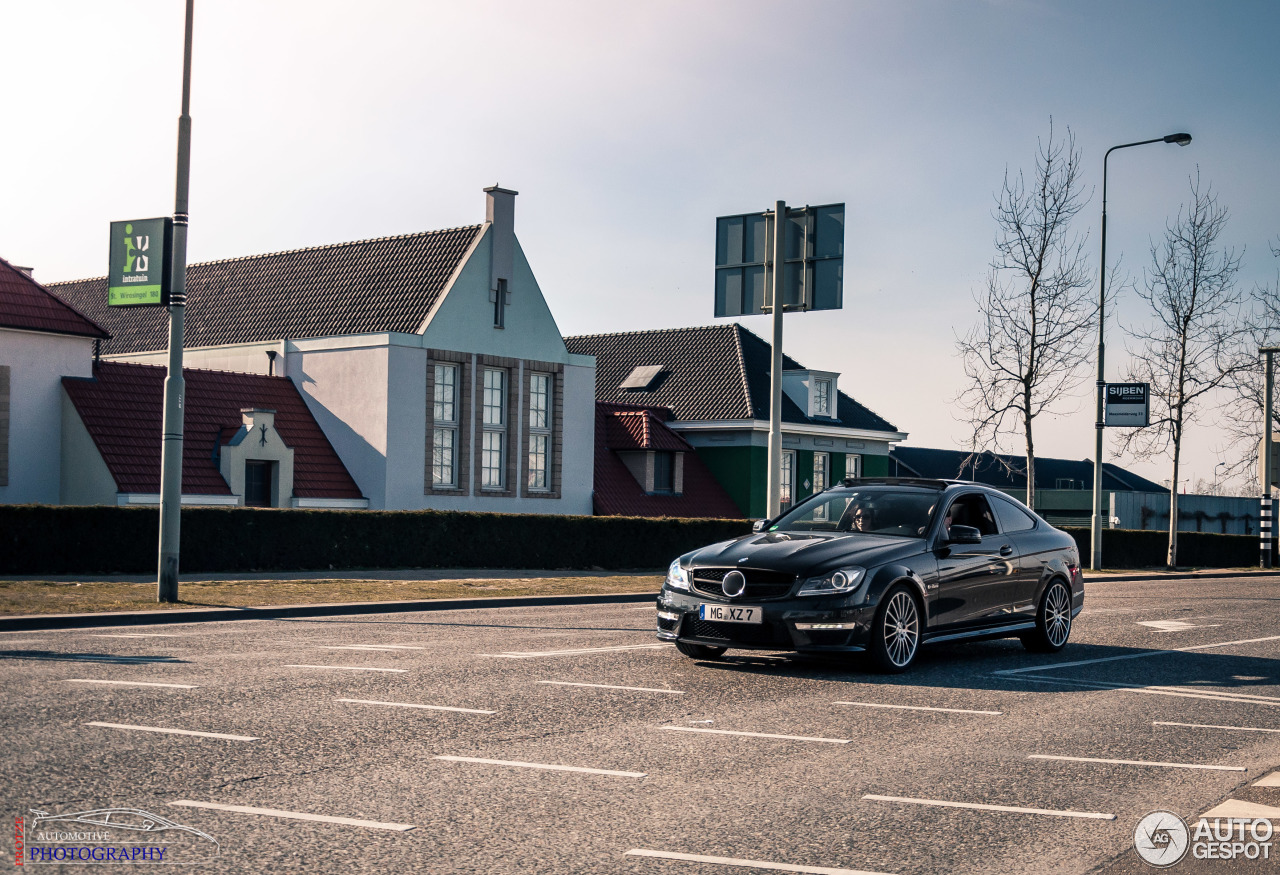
{"x": 734, "y": 583}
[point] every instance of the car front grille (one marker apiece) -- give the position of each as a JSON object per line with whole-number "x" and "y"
{"x": 741, "y": 633}
{"x": 761, "y": 584}
{"x": 667, "y": 625}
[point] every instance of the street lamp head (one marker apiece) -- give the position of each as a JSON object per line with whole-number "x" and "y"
{"x": 1180, "y": 139}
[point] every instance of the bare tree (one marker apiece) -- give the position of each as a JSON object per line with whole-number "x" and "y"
{"x": 1036, "y": 313}
{"x": 1244, "y": 411}
{"x": 1191, "y": 346}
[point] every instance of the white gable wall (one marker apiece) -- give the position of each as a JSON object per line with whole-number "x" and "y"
{"x": 37, "y": 362}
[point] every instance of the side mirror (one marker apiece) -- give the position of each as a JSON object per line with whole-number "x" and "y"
{"x": 963, "y": 535}
{"x": 758, "y": 525}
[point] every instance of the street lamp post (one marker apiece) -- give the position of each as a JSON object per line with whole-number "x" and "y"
{"x": 1096, "y": 530}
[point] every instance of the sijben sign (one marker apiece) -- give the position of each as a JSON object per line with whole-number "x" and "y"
{"x": 1128, "y": 405}
{"x": 138, "y": 275}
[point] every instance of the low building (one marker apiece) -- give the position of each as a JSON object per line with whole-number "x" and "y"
{"x": 1064, "y": 487}
{"x": 715, "y": 381}
{"x": 42, "y": 340}
{"x": 431, "y": 361}
{"x": 643, "y": 468}
{"x": 249, "y": 439}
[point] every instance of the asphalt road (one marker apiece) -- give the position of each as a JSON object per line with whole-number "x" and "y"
{"x": 1167, "y": 676}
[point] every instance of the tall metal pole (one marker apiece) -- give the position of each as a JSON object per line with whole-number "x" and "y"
{"x": 1096, "y": 525}
{"x": 174, "y": 386}
{"x": 775, "y": 373}
{"x": 1265, "y": 530}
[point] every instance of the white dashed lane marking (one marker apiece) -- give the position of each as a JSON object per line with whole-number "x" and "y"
{"x": 168, "y": 731}
{"x": 918, "y": 708}
{"x": 532, "y": 654}
{"x": 982, "y": 806}
{"x": 612, "y": 687}
{"x": 544, "y": 766}
{"x": 412, "y": 705}
{"x": 128, "y": 683}
{"x": 746, "y": 864}
{"x": 350, "y": 668}
{"x": 1214, "y": 726}
{"x": 756, "y": 734}
{"x": 294, "y": 815}
{"x": 1037, "y": 756}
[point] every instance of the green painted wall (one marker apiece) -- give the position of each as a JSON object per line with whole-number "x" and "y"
{"x": 741, "y": 472}
{"x": 875, "y": 466}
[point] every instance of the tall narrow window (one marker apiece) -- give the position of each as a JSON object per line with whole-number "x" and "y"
{"x": 788, "y": 476}
{"x": 821, "y": 464}
{"x": 540, "y": 420}
{"x": 852, "y": 466}
{"x": 494, "y": 421}
{"x": 664, "y": 471}
{"x": 257, "y": 483}
{"x": 444, "y": 437}
{"x": 821, "y": 397}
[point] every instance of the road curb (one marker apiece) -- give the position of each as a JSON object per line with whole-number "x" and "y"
{"x": 1179, "y": 575}
{"x": 33, "y": 622}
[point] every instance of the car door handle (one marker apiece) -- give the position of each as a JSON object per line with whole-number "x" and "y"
{"x": 1006, "y": 550}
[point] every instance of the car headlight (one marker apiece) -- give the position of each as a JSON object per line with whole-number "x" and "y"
{"x": 838, "y": 582}
{"x": 677, "y": 577}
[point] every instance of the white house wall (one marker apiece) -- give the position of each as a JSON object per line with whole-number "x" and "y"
{"x": 344, "y": 382}
{"x": 463, "y": 321}
{"x": 38, "y": 361}
{"x": 407, "y": 428}
{"x": 240, "y": 358}
{"x": 85, "y": 476}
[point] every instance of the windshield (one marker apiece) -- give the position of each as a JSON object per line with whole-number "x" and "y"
{"x": 876, "y": 510}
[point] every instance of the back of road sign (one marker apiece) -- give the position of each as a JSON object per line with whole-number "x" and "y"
{"x": 813, "y": 267}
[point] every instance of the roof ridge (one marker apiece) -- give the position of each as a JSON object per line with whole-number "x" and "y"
{"x": 304, "y": 249}
{"x": 742, "y": 370}
{"x": 654, "y": 331}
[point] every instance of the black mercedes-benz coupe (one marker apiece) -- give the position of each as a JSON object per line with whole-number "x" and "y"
{"x": 881, "y": 565}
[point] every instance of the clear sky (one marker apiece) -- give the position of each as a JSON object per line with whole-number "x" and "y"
{"x": 628, "y": 127}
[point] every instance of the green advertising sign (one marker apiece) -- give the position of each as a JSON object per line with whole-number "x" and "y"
{"x": 139, "y": 271}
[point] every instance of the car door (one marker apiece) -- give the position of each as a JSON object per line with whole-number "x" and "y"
{"x": 973, "y": 579}
{"x": 1033, "y": 550}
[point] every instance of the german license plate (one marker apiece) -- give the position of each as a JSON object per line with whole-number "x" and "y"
{"x": 730, "y": 613}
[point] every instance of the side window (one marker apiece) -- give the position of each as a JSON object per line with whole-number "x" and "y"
{"x": 1012, "y": 518}
{"x": 973, "y": 510}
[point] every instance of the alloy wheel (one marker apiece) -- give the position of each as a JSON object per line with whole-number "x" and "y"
{"x": 901, "y": 628}
{"x": 1057, "y": 615}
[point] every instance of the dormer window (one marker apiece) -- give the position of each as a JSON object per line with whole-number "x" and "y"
{"x": 821, "y": 397}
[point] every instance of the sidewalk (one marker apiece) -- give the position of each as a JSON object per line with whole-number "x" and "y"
{"x": 32, "y": 622}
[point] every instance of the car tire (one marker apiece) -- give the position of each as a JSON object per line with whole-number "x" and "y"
{"x": 895, "y": 631}
{"x": 700, "y": 651}
{"x": 1053, "y": 621}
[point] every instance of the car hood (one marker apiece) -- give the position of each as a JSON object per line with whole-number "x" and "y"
{"x": 806, "y": 552}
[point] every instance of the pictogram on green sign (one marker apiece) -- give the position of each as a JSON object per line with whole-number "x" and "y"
{"x": 139, "y": 271}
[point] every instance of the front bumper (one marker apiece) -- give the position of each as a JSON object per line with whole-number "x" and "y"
{"x": 812, "y": 625}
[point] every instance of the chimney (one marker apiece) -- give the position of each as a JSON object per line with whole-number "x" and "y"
{"x": 30, "y": 271}
{"x": 500, "y": 212}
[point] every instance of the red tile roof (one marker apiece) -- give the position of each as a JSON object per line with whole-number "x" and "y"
{"x": 122, "y": 407}
{"x": 365, "y": 287}
{"x": 26, "y": 304}
{"x": 639, "y": 427}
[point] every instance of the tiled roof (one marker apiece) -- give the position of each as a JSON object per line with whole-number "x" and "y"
{"x": 26, "y": 304}
{"x": 370, "y": 286}
{"x": 122, "y": 407}
{"x": 639, "y": 428}
{"x": 993, "y": 470}
{"x": 617, "y": 493}
{"x": 715, "y": 372}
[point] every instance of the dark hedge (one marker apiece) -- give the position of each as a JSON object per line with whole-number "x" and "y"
{"x": 1134, "y": 548}
{"x": 43, "y": 539}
